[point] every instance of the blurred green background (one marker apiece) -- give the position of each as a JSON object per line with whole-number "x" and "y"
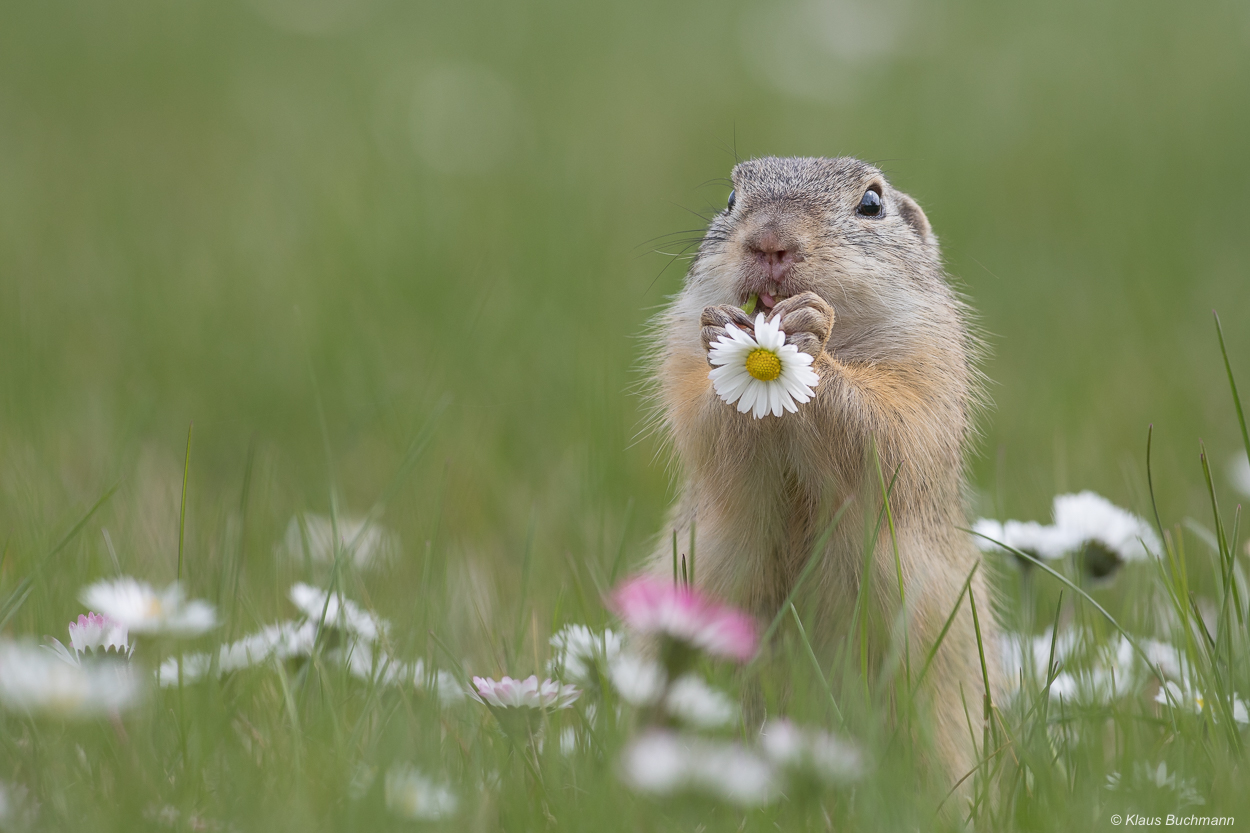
{"x": 253, "y": 215}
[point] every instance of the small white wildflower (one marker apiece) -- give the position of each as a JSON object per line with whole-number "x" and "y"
{"x": 762, "y": 374}
{"x": 194, "y": 667}
{"x": 527, "y": 694}
{"x": 580, "y": 650}
{"x": 143, "y": 610}
{"x": 639, "y": 681}
{"x": 1152, "y": 779}
{"x": 1165, "y": 658}
{"x": 33, "y": 681}
{"x": 1089, "y": 673}
{"x": 283, "y": 640}
{"x": 1088, "y": 517}
{"x": 832, "y": 759}
{"x": 1029, "y": 654}
{"x": 1192, "y": 699}
{"x": 340, "y": 612}
{"x": 694, "y": 702}
{"x": 663, "y": 763}
{"x": 412, "y": 795}
{"x": 374, "y": 665}
{"x": 363, "y": 541}
{"x": 568, "y": 741}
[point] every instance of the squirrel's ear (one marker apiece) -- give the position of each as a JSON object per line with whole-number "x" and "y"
{"x": 911, "y": 213}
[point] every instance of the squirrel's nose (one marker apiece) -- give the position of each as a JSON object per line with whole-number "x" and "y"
{"x": 773, "y": 256}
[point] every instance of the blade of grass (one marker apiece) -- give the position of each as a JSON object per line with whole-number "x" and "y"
{"x": 898, "y": 563}
{"x": 1227, "y": 558}
{"x": 22, "y": 591}
{"x": 620, "y": 549}
{"x": 811, "y": 654}
{"x": 182, "y": 512}
{"x": 1232, "y": 384}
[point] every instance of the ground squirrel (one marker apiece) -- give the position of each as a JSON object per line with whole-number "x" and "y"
{"x": 852, "y": 267}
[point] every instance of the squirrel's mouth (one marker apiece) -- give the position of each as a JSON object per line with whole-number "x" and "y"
{"x": 764, "y": 300}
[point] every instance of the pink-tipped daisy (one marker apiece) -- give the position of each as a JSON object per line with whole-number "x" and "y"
{"x": 96, "y": 632}
{"x": 652, "y": 605}
{"x": 525, "y": 694}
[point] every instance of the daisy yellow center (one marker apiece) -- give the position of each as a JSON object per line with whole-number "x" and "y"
{"x": 763, "y": 364}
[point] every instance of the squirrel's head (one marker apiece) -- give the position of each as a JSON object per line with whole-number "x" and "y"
{"x": 831, "y": 226}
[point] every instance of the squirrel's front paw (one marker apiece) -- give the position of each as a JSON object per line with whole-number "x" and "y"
{"x": 715, "y": 319}
{"x": 807, "y": 322}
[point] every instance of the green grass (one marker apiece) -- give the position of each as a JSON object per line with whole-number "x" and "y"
{"x": 370, "y": 300}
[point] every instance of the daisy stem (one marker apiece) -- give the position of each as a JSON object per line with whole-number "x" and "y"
{"x": 182, "y": 512}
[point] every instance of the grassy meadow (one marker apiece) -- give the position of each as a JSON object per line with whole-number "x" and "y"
{"x": 396, "y": 260}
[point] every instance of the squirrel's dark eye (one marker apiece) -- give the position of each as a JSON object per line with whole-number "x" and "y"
{"x": 733, "y": 197}
{"x": 870, "y": 203}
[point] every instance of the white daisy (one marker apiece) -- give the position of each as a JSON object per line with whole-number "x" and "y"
{"x": 374, "y": 665}
{"x": 141, "y": 609}
{"x": 580, "y": 650}
{"x": 195, "y": 667}
{"x": 414, "y": 796}
{"x": 639, "y": 681}
{"x": 33, "y": 681}
{"x": 1090, "y": 673}
{"x": 339, "y": 612}
{"x": 1189, "y": 697}
{"x": 809, "y": 750}
{"x": 1088, "y": 517}
{"x": 284, "y": 640}
{"x": 362, "y": 541}
{"x": 663, "y": 763}
{"x": 762, "y": 374}
{"x": 697, "y": 704}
